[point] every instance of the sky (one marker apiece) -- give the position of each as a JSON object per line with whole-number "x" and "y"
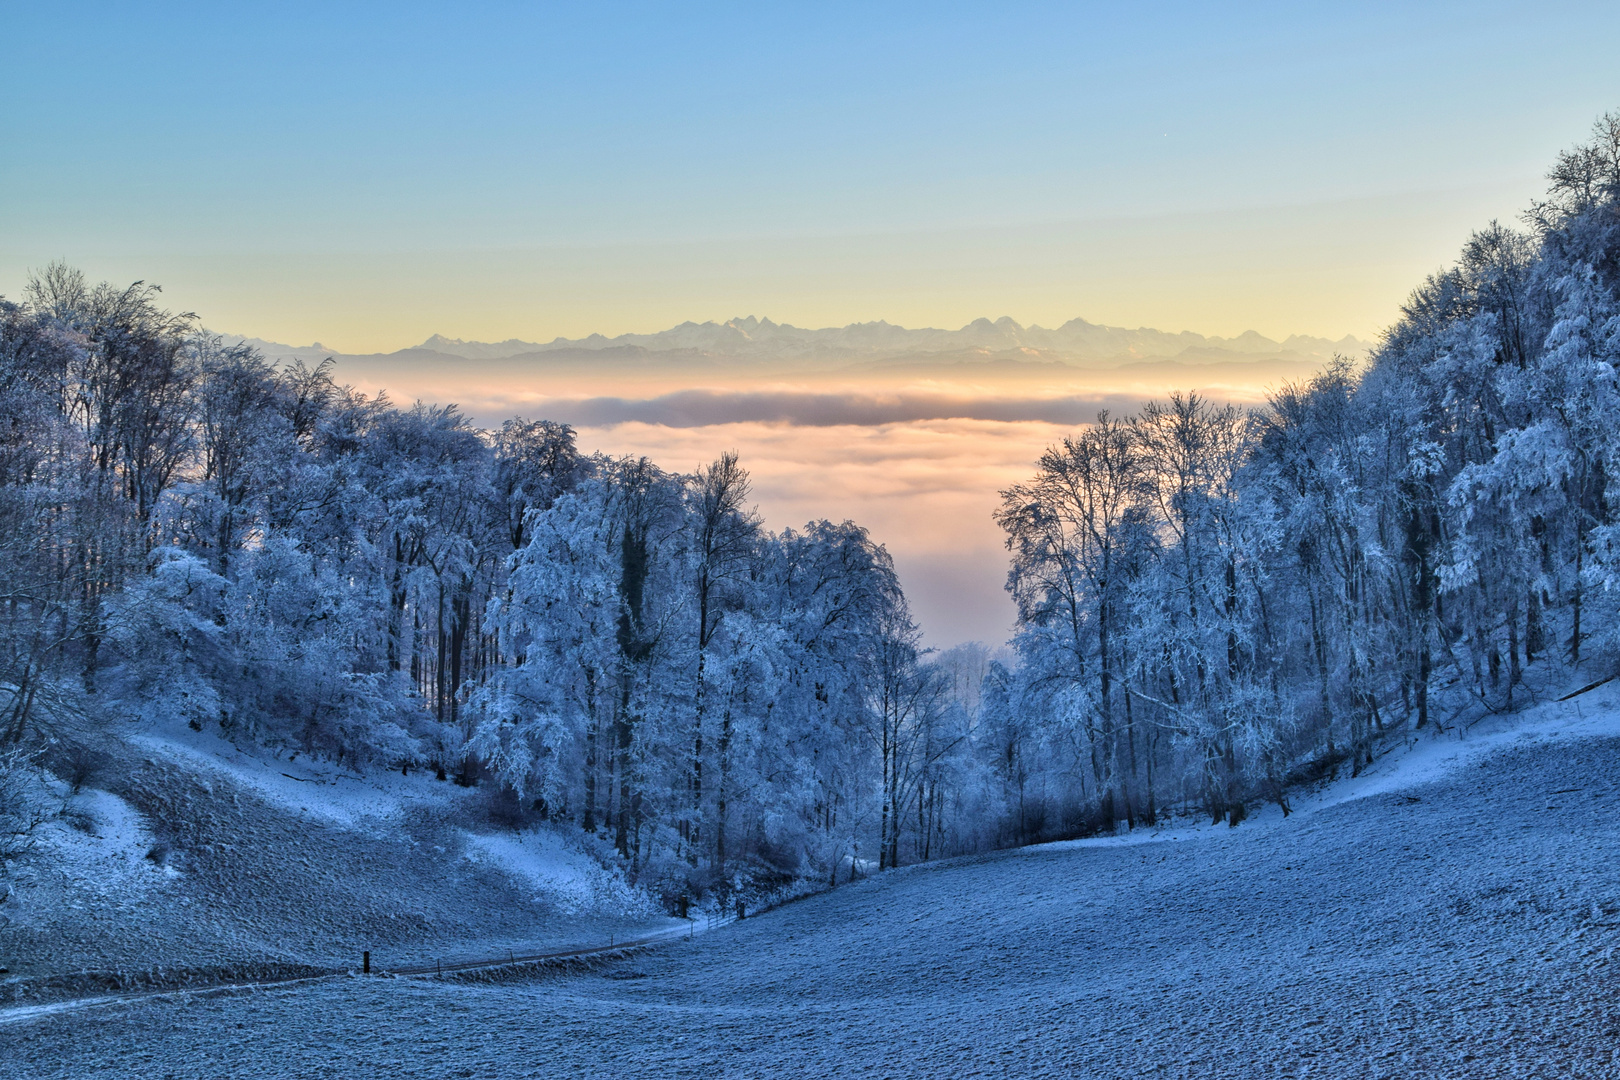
{"x": 367, "y": 175}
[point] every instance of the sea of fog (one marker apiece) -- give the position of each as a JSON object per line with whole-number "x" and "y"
{"x": 918, "y": 457}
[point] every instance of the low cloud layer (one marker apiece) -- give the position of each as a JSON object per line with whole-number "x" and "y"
{"x": 702, "y": 408}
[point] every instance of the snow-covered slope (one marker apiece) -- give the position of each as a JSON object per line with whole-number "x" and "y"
{"x": 197, "y": 857}
{"x": 1452, "y": 913}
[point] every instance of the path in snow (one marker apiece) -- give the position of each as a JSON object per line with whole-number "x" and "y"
{"x": 20, "y": 1014}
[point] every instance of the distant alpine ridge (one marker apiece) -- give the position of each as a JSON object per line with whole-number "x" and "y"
{"x": 750, "y": 339}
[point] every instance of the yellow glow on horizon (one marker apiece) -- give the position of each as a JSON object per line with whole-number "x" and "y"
{"x": 1326, "y": 270}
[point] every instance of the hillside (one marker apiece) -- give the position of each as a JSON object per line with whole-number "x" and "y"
{"x": 184, "y": 859}
{"x": 1451, "y": 912}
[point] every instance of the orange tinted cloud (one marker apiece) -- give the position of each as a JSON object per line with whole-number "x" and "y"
{"x": 918, "y": 460}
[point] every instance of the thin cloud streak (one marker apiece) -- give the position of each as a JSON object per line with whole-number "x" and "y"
{"x": 704, "y": 408}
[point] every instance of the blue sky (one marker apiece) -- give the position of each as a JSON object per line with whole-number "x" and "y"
{"x": 366, "y": 175}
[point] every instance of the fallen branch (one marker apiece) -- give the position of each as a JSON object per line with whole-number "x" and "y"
{"x": 1585, "y": 689}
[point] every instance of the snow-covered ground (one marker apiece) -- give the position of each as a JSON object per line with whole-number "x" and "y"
{"x": 197, "y": 860}
{"x": 1454, "y": 912}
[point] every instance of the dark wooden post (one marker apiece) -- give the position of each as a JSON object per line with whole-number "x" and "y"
{"x": 365, "y": 962}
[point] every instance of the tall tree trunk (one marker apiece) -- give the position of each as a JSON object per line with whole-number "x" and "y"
{"x": 695, "y": 777}
{"x": 725, "y": 786}
{"x": 624, "y": 734}
{"x": 1515, "y": 672}
{"x": 1534, "y": 636}
{"x": 1319, "y": 639}
{"x": 592, "y": 725}
{"x": 1575, "y": 605}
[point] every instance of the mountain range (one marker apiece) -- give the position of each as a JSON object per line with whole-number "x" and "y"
{"x": 755, "y": 342}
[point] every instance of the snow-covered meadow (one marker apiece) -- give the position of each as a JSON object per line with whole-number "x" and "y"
{"x": 1454, "y": 911}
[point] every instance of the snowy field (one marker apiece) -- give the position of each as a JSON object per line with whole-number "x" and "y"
{"x": 1453, "y": 913}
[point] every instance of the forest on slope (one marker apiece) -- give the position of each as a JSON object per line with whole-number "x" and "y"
{"x": 1212, "y": 604}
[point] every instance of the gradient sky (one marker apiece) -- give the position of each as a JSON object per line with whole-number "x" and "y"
{"x": 365, "y": 175}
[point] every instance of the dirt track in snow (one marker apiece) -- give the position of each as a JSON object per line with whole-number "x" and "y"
{"x": 1461, "y": 926}
{"x": 495, "y": 968}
